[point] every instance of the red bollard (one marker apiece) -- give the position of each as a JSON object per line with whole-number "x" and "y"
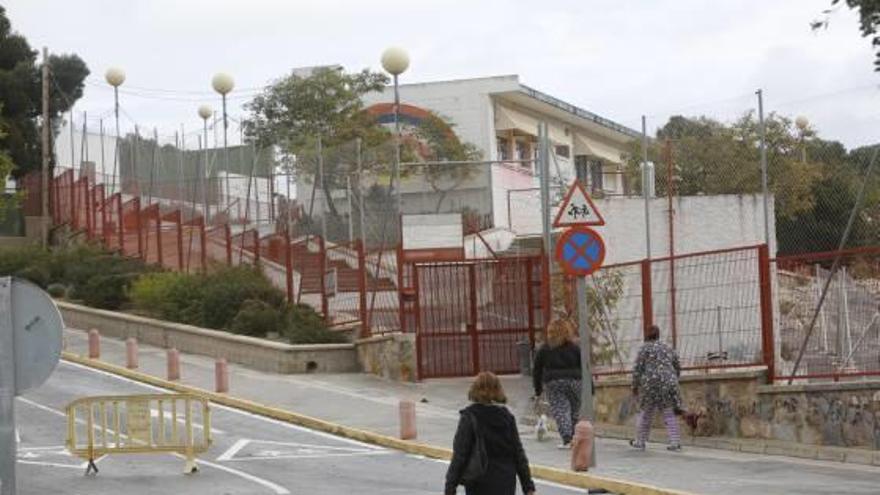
{"x": 221, "y": 376}
{"x": 173, "y": 365}
{"x": 582, "y": 452}
{"x": 94, "y": 344}
{"x": 131, "y": 353}
{"x": 407, "y": 420}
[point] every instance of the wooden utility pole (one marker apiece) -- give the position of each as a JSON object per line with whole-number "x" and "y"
{"x": 44, "y": 186}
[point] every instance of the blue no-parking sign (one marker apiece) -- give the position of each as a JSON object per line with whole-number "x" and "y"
{"x": 580, "y": 251}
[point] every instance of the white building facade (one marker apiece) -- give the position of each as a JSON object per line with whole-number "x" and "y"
{"x": 500, "y": 116}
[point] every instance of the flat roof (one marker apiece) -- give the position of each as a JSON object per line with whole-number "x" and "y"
{"x": 508, "y": 83}
{"x": 577, "y": 111}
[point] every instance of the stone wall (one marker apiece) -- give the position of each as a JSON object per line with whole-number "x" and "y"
{"x": 740, "y": 405}
{"x": 259, "y": 354}
{"x": 391, "y": 356}
{"x": 834, "y": 414}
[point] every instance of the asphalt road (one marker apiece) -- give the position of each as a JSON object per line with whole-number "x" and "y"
{"x": 250, "y": 455}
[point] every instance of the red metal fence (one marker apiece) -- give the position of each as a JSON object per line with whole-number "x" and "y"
{"x": 712, "y": 307}
{"x": 470, "y": 315}
{"x": 718, "y": 309}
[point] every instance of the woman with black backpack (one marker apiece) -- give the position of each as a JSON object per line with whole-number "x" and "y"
{"x": 487, "y": 454}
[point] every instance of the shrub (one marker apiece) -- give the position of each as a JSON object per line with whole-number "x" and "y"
{"x": 29, "y": 263}
{"x": 256, "y": 318}
{"x": 56, "y": 290}
{"x": 168, "y": 295}
{"x": 224, "y": 292}
{"x": 305, "y": 326}
{"x": 106, "y": 291}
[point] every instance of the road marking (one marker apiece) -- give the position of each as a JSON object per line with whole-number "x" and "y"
{"x": 29, "y": 455}
{"x": 289, "y": 450}
{"x": 233, "y": 410}
{"x": 231, "y": 451}
{"x": 279, "y": 490}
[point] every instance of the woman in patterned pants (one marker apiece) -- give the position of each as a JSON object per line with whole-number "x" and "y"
{"x": 655, "y": 384}
{"x": 558, "y": 367}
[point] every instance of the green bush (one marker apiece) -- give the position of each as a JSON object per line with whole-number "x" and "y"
{"x": 168, "y": 295}
{"x": 305, "y": 326}
{"x": 106, "y": 291}
{"x": 256, "y": 319}
{"x": 56, "y": 290}
{"x": 30, "y": 263}
{"x": 224, "y": 291}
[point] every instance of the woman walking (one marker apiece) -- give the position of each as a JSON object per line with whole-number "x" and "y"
{"x": 487, "y": 429}
{"x": 558, "y": 369}
{"x": 655, "y": 384}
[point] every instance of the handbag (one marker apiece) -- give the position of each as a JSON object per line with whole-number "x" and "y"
{"x": 478, "y": 461}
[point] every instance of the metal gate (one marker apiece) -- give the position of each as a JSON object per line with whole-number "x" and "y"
{"x": 470, "y": 315}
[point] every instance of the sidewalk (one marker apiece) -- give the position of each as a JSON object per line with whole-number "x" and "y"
{"x": 370, "y": 403}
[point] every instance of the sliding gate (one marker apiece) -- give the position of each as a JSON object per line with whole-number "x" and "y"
{"x": 470, "y": 315}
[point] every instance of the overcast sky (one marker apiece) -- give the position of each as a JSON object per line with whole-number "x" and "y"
{"x": 617, "y": 58}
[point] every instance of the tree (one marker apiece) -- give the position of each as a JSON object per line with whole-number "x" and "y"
{"x": 295, "y": 111}
{"x": 20, "y": 95}
{"x": 869, "y": 20}
{"x": 813, "y": 181}
{"x": 440, "y": 144}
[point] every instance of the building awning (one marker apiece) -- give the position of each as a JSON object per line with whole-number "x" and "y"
{"x": 507, "y": 119}
{"x": 584, "y": 145}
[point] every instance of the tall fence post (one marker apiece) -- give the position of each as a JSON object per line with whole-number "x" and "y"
{"x": 647, "y": 296}
{"x": 120, "y": 222}
{"x": 159, "y": 233}
{"x": 140, "y": 237}
{"x": 362, "y": 287}
{"x": 256, "y": 244}
{"x": 178, "y": 223}
{"x": 288, "y": 266}
{"x": 227, "y": 231}
{"x": 322, "y": 262}
{"x": 472, "y": 318}
{"x": 530, "y": 299}
{"x": 768, "y": 349}
{"x": 203, "y": 241}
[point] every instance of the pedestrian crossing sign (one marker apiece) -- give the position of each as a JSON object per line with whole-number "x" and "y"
{"x": 577, "y": 209}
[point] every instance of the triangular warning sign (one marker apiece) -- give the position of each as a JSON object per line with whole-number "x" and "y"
{"x": 577, "y": 209}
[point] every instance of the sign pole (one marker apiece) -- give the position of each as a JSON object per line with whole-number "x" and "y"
{"x": 586, "y": 411}
{"x": 7, "y": 390}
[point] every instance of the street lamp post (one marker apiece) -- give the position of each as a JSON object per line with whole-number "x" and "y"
{"x": 803, "y": 126}
{"x": 114, "y": 77}
{"x": 205, "y": 112}
{"x": 395, "y": 61}
{"x": 223, "y": 84}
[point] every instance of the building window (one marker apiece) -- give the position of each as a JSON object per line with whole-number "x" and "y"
{"x": 522, "y": 150}
{"x": 563, "y": 151}
{"x": 501, "y": 145}
{"x": 581, "y": 169}
{"x": 596, "y": 176}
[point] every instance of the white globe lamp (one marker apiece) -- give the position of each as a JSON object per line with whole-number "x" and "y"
{"x": 395, "y": 60}
{"x": 115, "y": 76}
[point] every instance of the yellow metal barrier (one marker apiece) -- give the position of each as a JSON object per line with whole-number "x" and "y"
{"x": 137, "y": 424}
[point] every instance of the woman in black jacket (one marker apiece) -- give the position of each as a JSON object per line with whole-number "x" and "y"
{"x": 558, "y": 367}
{"x": 488, "y": 417}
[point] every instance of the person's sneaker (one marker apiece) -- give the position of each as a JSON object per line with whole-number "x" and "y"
{"x": 674, "y": 448}
{"x": 564, "y": 446}
{"x": 636, "y": 445}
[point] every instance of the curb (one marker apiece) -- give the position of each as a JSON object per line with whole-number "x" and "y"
{"x": 570, "y": 478}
